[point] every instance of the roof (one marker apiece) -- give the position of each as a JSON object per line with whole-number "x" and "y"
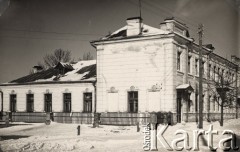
{"x": 146, "y": 31}
{"x": 62, "y": 72}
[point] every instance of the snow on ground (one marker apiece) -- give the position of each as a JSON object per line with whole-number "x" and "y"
{"x": 63, "y": 137}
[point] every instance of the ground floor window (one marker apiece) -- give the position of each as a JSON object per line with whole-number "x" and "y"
{"x": 87, "y": 102}
{"x": 48, "y": 102}
{"x": 30, "y": 102}
{"x": 133, "y": 101}
{"x": 67, "y": 102}
{"x": 13, "y": 100}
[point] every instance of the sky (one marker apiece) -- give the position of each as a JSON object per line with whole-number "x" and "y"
{"x": 29, "y": 29}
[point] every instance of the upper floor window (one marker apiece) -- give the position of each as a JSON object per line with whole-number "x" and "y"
{"x": 178, "y": 60}
{"x": 133, "y": 101}
{"x": 210, "y": 71}
{"x": 30, "y": 102}
{"x": 13, "y": 100}
{"x": 67, "y": 102}
{"x": 196, "y": 67}
{"x": 214, "y": 73}
{"x": 87, "y": 102}
{"x": 189, "y": 64}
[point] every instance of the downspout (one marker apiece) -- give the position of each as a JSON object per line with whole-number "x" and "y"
{"x": 95, "y": 96}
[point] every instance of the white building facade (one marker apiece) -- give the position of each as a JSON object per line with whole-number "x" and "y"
{"x": 141, "y": 69}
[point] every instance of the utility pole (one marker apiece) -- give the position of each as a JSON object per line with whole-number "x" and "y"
{"x": 200, "y": 32}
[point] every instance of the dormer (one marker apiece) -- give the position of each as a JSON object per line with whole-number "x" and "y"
{"x": 172, "y": 25}
{"x": 63, "y": 67}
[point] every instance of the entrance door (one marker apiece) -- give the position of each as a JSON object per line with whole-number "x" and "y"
{"x": 179, "y": 107}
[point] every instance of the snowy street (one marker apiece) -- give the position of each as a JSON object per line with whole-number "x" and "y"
{"x": 63, "y": 137}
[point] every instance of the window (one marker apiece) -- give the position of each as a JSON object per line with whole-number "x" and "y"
{"x": 179, "y": 61}
{"x": 87, "y": 102}
{"x": 203, "y": 102}
{"x": 189, "y": 103}
{"x": 13, "y": 99}
{"x": 218, "y": 75}
{"x": 203, "y": 69}
{"x": 209, "y": 101}
{"x": 133, "y": 101}
{"x": 48, "y": 102}
{"x": 30, "y": 102}
{"x": 214, "y": 73}
{"x": 196, "y": 66}
{"x": 196, "y": 102}
{"x": 189, "y": 64}
{"x": 209, "y": 71}
{"x": 214, "y": 101}
{"x": 67, "y": 102}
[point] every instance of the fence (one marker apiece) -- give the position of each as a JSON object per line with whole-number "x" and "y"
{"x": 121, "y": 118}
{"x": 74, "y": 117}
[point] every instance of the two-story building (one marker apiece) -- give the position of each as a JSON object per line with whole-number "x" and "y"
{"x": 142, "y": 69}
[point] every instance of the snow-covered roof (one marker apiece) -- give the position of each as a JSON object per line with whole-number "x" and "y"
{"x": 79, "y": 71}
{"x": 146, "y": 31}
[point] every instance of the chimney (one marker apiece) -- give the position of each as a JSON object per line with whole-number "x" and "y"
{"x": 37, "y": 69}
{"x": 134, "y": 26}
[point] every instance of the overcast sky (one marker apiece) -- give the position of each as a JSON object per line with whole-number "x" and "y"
{"x": 31, "y": 28}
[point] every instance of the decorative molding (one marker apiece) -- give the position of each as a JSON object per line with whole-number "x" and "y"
{"x": 155, "y": 88}
{"x": 112, "y": 90}
{"x": 133, "y": 88}
{"x": 30, "y": 92}
{"x": 13, "y": 92}
{"x": 47, "y": 91}
{"x": 87, "y": 90}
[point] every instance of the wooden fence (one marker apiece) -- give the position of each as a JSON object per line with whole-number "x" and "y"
{"x": 74, "y": 117}
{"x": 111, "y": 118}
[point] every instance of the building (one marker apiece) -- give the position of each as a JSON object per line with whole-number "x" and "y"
{"x": 66, "y": 90}
{"x": 139, "y": 70}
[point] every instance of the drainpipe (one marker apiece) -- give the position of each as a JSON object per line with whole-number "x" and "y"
{"x": 95, "y": 96}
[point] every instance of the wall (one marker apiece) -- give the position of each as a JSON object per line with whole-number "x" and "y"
{"x": 140, "y": 64}
{"x": 57, "y": 90}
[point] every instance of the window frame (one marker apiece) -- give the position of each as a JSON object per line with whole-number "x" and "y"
{"x": 189, "y": 64}
{"x": 67, "y": 102}
{"x": 13, "y": 103}
{"x": 179, "y": 61}
{"x": 87, "y": 103}
{"x": 133, "y": 100}
{"x": 196, "y": 66}
{"x": 30, "y": 102}
{"x": 47, "y": 102}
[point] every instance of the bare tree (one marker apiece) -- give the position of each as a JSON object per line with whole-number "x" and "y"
{"x": 86, "y": 56}
{"x": 59, "y": 55}
{"x": 222, "y": 86}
